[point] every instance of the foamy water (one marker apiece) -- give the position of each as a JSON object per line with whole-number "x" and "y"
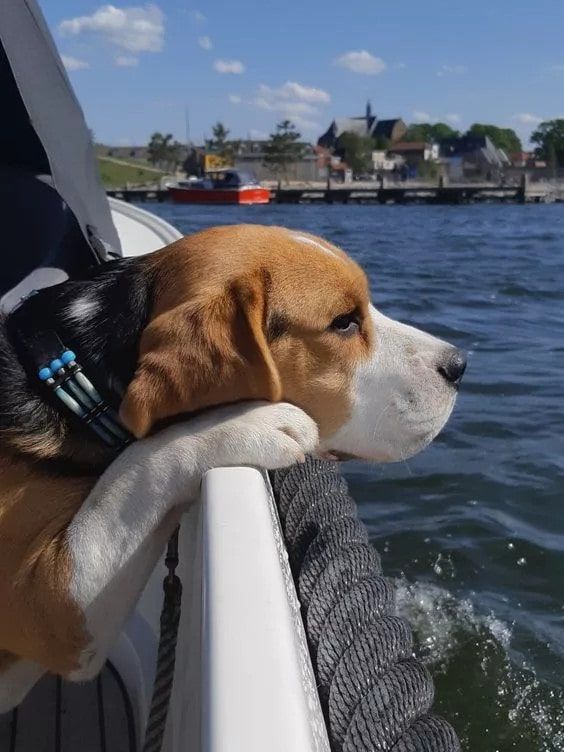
{"x": 525, "y": 711}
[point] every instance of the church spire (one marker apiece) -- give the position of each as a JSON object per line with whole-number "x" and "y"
{"x": 368, "y": 111}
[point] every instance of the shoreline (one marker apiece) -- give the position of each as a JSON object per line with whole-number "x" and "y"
{"x": 409, "y": 192}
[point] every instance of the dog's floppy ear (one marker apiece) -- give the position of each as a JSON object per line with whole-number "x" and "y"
{"x": 200, "y": 353}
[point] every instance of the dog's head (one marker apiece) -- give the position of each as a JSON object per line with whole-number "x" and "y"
{"x": 253, "y": 312}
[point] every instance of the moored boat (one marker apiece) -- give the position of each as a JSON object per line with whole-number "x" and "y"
{"x": 225, "y": 186}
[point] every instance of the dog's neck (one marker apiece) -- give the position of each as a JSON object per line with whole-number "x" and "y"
{"x": 101, "y": 319}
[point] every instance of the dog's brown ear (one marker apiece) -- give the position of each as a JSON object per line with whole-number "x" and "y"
{"x": 202, "y": 353}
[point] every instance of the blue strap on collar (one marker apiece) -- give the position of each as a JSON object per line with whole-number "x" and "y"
{"x": 65, "y": 377}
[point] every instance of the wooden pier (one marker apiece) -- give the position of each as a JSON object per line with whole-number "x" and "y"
{"x": 401, "y": 195}
{"x": 376, "y": 194}
{"x": 135, "y": 195}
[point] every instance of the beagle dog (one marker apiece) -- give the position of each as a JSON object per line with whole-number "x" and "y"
{"x": 242, "y": 345}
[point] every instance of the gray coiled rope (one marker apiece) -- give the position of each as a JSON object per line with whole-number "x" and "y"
{"x": 374, "y": 694}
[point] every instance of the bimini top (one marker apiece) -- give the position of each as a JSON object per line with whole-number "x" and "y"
{"x": 42, "y": 129}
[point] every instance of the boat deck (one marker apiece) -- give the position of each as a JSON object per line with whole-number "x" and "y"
{"x": 58, "y": 716}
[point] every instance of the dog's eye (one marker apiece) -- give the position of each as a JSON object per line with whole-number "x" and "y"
{"x": 347, "y": 323}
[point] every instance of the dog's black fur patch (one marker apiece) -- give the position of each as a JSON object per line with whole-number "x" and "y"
{"x": 118, "y": 298}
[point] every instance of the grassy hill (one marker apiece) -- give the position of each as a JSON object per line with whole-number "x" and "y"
{"x": 116, "y": 173}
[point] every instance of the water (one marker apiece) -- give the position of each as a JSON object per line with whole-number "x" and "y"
{"x": 473, "y": 528}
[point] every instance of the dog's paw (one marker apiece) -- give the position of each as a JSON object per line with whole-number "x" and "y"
{"x": 265, "y": 435}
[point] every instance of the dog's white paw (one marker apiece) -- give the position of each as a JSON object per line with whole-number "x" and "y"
{"x": 267, "y": 435}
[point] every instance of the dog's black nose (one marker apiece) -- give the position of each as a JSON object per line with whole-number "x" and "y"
{"x": 453, "y": 367}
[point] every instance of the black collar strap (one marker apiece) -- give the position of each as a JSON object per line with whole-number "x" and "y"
{"x": 56, "y": 366}
{"x": 65, "y": 377}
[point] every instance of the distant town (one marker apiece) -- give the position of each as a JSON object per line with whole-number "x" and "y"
{"x": 362, "y": 147}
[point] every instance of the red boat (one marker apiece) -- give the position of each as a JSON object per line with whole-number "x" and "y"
{"x": 226, "y": 186}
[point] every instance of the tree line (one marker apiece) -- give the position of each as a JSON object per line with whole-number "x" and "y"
{"x": 548, "y": 138}
{"x": 502, "y": 138}
{"x": 283, "y": 148}
{"x": 285, "y": 145}
{"x": 164, "y": 151}
{"x": 357, "y": 150}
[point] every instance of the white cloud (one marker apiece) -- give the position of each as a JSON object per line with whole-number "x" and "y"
{"x": 73, "y": 63}
{"x": 136, "y": 29}
{"x": 205, "y": 43}
{"x": 198, "y": 16}
{"x": 235, "y": 99}
{"x": 401, "y": 66}
{"x": 294, "y": 90}
{"x": 361, "y": 62}
{"x": 294, "y": 101}
{"x": 421, "y": 117}
{"x": 291, "y": 92}
{"x": 452, "y": 70}
{"x": 526, "y": 118}
{"x": 126, "y": 61}
{"x": 290, "y": 109}
{"x": 229, "y": 66}
{"x": 557, "y": 68}
{"x": 453, "y": 118}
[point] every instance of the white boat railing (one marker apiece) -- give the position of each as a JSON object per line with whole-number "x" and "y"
{"x": 243, "y": 676}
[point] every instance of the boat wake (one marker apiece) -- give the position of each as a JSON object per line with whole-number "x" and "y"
{"x": 494, "y": 699}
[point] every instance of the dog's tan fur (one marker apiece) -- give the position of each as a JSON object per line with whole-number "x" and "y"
{"x": 40, "y": 621}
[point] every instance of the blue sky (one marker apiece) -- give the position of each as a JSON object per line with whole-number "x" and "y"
{"x": 138, "y": 67}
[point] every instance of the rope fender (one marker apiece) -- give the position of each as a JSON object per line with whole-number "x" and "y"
{"x": 375, "y": 695}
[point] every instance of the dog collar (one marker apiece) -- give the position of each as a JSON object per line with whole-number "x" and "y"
{"x": 68, "y": 382}
{"x": 58, "y": 369}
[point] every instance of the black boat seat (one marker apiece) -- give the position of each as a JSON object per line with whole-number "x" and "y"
{"x": 41, "y": 243}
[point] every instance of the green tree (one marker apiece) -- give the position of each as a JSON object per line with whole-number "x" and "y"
{"x": 502, "y": 138}
{"x": 174, "y": 155}
{"x": 443, "y": 130}
{"x": 429, "y": 132}
{"x": 220, "y": 133}
{"x": 220, "y": 143}
{"x": 164, "y": 152}
{"x": 356, "y": 151}
{"x": 283, "y": 148}
{"x": 549, "y": 140}
{"x": 156, "y": 150}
